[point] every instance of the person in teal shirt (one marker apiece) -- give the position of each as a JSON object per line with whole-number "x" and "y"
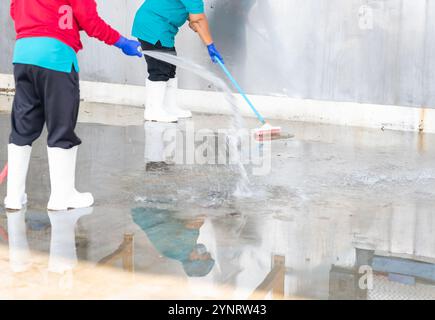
{"x": 156, "y": 25}
{"x": 176, "y": 238}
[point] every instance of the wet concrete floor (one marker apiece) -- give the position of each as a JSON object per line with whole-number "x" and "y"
{"x": 338, "y": 204}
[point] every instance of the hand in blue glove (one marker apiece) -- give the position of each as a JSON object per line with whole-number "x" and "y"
{"x": 214, "y": 53}
{"x": 129, "y": 47}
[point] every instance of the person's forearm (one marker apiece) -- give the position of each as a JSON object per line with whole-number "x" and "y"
{"x": 86, "y": 14}
{"x": 199, "y": 24}
{"x": 204, "y": 32}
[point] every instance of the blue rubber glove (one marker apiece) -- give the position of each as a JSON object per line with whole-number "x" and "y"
{"x": 214, "y": 54}
{"x": 129, "y": 47}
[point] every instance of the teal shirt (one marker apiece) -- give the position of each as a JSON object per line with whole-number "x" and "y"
{"x": 160, "y": 20}
{"x": 168, "y": 234}
{"x": 46, "y": 53}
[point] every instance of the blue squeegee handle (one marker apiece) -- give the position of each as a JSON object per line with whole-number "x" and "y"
{"x": 229, "y": 75}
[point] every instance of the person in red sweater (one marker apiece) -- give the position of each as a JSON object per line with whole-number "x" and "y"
{"x": 47, "y": 92}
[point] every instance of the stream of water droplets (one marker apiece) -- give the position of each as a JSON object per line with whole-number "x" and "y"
{"x": 242, "y": 189}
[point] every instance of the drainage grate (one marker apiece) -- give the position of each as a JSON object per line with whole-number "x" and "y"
{"x": 383, "y": 289}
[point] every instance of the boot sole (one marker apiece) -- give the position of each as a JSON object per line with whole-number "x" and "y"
{"x": 161, "y": 121}
{"x": 68, "y": 209}
{"x": 51, "y": 208}
{"x": 13, "y": 210}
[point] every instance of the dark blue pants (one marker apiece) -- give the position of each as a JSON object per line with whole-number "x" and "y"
{"x": 48, "y": 97}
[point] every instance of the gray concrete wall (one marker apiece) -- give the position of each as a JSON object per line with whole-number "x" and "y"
{"x": 374, "y": 51}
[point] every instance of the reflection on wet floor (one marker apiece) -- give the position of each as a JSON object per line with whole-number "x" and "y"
{"x": 344, "y": 213}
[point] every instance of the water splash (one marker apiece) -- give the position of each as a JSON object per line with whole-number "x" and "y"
{"x": 242, "y": 189}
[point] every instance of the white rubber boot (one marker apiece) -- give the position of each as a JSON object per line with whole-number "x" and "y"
{"x": 64, "y": 196}
{"x": 157, "y": 157}
{"x": 63, "y": 252}
{"x": 154, "y": 111}
{"x": 171, "y": 103}
{"x": 155, "y": 140}
{"x": 18, "y": 165}
{"x": 19, "y": 252}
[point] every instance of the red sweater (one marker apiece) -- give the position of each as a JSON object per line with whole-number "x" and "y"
{"x": 62, "y": 20}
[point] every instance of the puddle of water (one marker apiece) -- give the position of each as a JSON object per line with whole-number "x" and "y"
{"x": 315, "y": 208}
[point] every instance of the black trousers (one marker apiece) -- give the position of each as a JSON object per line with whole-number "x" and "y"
{"x": 159, "y": 70}
{"x": 48, "y": 97}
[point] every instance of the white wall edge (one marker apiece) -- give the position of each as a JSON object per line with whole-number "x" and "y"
{"x": 326, "y": 112}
